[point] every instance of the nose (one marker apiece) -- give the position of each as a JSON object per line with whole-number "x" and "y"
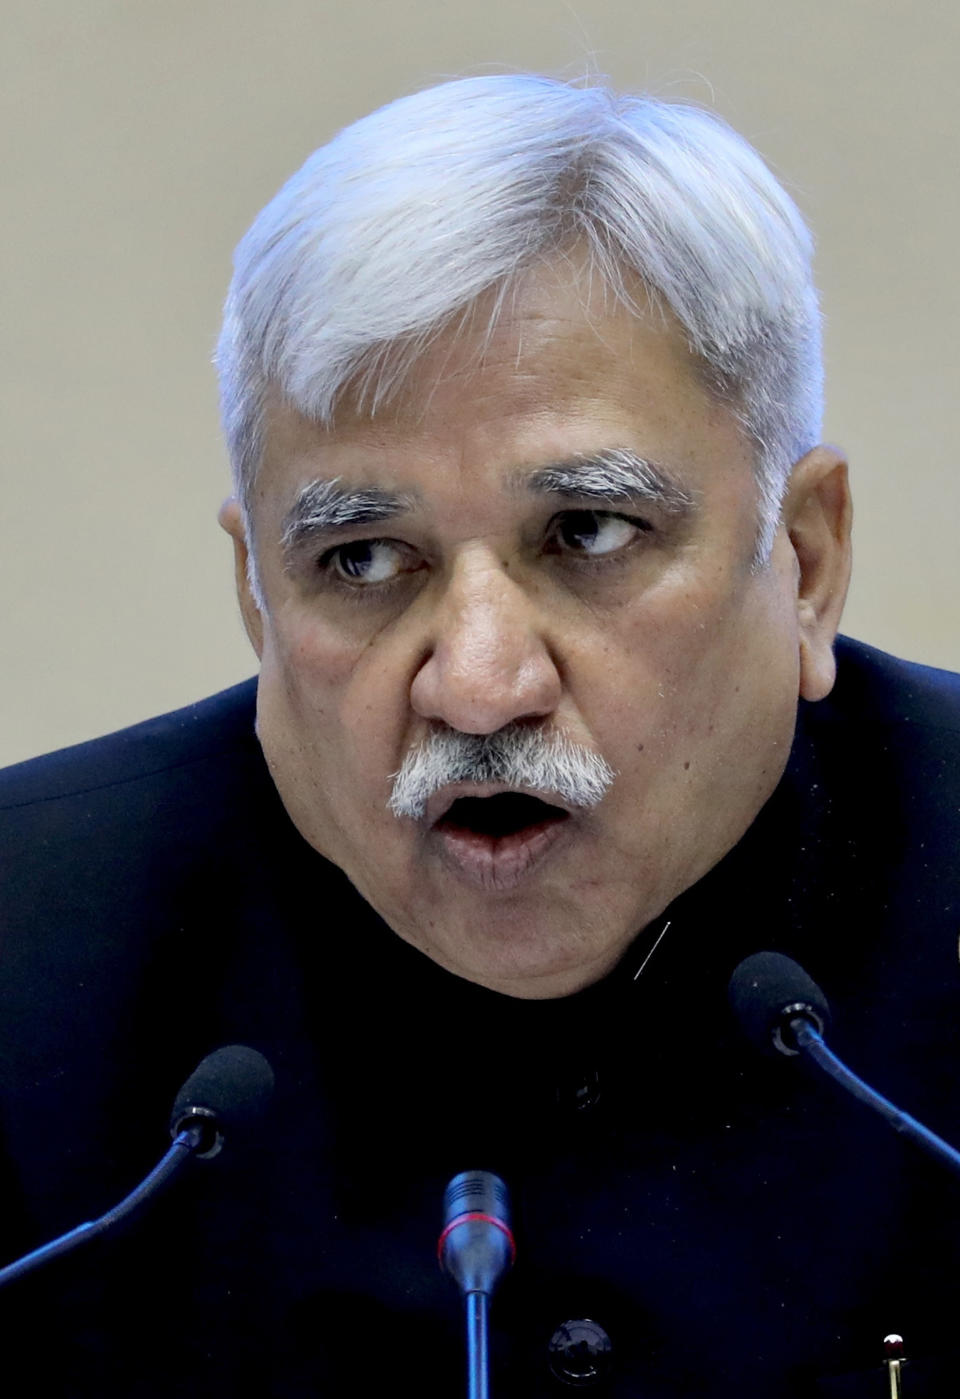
{"x": 488, "y": 662}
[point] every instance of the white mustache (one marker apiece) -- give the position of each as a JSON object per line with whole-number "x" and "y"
{"x": 515, "y": 757}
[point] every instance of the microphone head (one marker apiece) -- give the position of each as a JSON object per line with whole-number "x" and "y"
{"x": 476, "y": 1246}
{"x": 476, "y": 1192}
{"x": 228, "y": 1091}
{"x": 767, "y": 991}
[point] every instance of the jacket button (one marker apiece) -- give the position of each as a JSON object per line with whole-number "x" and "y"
{"x": 580, "y": 1353}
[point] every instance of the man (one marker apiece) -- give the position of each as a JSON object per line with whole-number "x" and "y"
{"x": 538, "y": 549}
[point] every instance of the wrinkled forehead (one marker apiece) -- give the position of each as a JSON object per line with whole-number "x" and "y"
{"x": 558, "y": 335}
{"x": 555, "y": 411}
{"x": 560, "y": 389}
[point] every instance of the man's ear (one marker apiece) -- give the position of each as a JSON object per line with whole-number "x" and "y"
{"x": 818, "y": 515}
{"x": 230, "y": 517}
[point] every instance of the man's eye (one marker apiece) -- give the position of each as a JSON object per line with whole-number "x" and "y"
{"x": 367, "y": 561}
{"x": 594, "y": 532}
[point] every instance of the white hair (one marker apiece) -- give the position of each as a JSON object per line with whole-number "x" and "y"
{"x": 518, "y": 757}
{"x": 396, "y": 227}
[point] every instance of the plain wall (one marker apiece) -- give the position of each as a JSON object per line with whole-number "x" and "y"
{"x": 141, "y": 139}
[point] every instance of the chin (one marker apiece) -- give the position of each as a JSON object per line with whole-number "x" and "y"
{"x": 529, "y": 967}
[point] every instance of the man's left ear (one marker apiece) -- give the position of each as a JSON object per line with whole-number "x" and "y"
{"x": 817, "y": 515}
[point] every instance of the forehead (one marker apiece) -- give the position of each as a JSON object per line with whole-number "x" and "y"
{"x": 565, "y": 368}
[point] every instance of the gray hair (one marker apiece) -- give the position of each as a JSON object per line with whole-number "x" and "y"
{"x": 516, "y": 756}
{"x": 394, "y": 229}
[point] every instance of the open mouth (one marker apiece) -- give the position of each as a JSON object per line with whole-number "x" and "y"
{"x": 495, "y": 842}
{"x": 499, "y": 815}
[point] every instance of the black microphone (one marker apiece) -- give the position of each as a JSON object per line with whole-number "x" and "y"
{"x": 227, "y": 1092}
{"x": 224, "y": 1096}
{"x": 767, "y": 992}
{"x": 781, "y": 1009}
{"x": 476, "y": 1248}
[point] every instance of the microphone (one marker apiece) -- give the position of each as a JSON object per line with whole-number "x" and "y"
{"x": 228, "y": 1091}
{"x": 780, "y": 1008}
{"x": 476, "y": 1247}
{"x": 767, "y": 992}
{"x": 225, "y": 1095}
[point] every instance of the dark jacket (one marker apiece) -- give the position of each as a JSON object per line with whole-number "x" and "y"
{"x": 730, "y": 1224}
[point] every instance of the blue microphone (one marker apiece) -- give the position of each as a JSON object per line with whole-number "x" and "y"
{"x": 476, "y": 1248}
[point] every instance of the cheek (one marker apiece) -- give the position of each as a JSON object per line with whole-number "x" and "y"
{"x": 340, "y": 700}
{"x": 700, "y": 673}
{"x": 327, "y": 731}
{"x": 303, "y": 675}
{"x": 309, "y": 662}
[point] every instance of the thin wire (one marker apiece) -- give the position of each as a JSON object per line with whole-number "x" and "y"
{"x": 637, "y": 974}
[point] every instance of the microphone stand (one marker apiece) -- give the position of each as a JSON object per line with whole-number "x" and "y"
{"x": 229, "y": 1088}
{"x": 184, "y": 1146}
{"x": 478, "y": 1358}
{"x": 811, "y": 1044}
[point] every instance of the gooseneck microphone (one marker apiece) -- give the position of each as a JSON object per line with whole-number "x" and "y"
{"x": 227, "y": 1094}
{"x": 780, "y": 1008}
{"x": 476, "y": 1248}
{"x": 224, "y": 1095}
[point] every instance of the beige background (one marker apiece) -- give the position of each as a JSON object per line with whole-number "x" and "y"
{"x": 141, "y": 138}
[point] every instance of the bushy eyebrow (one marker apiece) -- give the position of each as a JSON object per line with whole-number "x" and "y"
{"x": 326, "y": 505}
{"x": 615, "y": 476}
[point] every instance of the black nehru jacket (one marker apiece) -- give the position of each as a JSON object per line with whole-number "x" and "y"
{"x": 691, "y": 1217}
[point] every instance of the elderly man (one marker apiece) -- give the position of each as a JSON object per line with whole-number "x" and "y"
{"x": 538, "y": 548}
